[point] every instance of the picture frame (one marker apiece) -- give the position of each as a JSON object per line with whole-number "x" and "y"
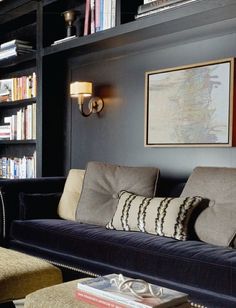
{"x": 190, "y": 105}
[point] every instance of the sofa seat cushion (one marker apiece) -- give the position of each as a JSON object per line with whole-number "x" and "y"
{"x": 191, "y": 262}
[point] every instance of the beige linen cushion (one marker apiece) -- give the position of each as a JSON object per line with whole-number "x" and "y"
{"x": 71, "y": 194}
{"x": 102, "y": 184}
{"x": 216, "y": 224}
{"x": 160, "y": 216}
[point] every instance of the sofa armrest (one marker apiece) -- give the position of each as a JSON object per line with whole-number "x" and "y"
{"x": 9, "y": 198}
{"x": 39, "y": 205}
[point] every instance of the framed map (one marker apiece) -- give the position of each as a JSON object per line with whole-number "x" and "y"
{"x": 190, "y": 105}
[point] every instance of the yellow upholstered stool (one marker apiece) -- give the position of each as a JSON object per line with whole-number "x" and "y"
{"x": 21, "y": 274}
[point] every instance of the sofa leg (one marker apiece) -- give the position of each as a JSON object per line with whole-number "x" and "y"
{"x": 7, "y": 305}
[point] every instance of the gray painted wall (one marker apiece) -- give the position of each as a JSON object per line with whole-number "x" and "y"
{"x": 117, "y": 135}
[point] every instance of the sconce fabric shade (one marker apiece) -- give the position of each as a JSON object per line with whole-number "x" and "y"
{"x": 83, "y": 88}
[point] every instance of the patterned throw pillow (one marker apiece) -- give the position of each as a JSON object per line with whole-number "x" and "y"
{"x": 161, "y": 216}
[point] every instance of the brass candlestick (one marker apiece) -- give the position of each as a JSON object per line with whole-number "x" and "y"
{"x": 69, "y": 17}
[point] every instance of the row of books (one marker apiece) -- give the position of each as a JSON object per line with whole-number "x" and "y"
{"x": 14, "y": 48}
{"x": 99, "y": 15}
{"x": 20, "y": 126}
{"x": 18, "y": 168}
{"x": 105, "y": 291}
{"x": 18, "y": 88}
{"x": 154, "y": 6}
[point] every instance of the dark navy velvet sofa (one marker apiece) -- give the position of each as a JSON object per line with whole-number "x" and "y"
{"x": 206, "y": 272}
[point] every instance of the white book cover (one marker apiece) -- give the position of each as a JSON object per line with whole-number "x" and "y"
{"x": 107, "y": 14}
{"x": 106, "y": 288}
{"x": 13, "y": 43}
{"x": 18, "y": 127}
{"x": 34, "y": 121}
{"x": 6, "y": 88}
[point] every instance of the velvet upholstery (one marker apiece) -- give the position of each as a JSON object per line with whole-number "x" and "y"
{"x": 206, "y": 272}
{"x": 35, "y": 206}
{"x": 10, "y": 190}
{"x": 192, "y": 262}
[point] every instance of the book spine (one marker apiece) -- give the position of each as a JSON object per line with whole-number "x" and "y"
{"x": 155, "y": 4}
{"x": 98, "y": 301}
{"x": 86, "y": 18}
{"x": 101, "y": 14}
{"x": 97, "y": 15}
{"x": 113, "y": 13}
{"x": 92, "y": 23}
{"x": 34, "y": 85}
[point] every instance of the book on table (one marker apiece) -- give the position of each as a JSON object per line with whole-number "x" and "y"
{"x": 116, "y": 291}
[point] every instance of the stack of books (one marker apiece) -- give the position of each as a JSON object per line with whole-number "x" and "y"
{"x": 14, "y": 48}
{"x": 20, "y": 126}
{"x": 103, "y": 292}
{"x": 156, "y": 6}
{"x": 5, "y": 132}
{"x": 99, "y": 15}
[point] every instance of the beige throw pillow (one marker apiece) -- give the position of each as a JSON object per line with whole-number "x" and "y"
{"x": 217, "y": 224}
{"x": 102, "y": 184}
{"x": 161, "y": 216}
{"x": 71, "y": 194}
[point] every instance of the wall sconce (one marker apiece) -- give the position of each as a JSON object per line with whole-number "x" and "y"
{"x": 82, "y": 90}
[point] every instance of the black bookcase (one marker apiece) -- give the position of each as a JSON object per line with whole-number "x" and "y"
{"x": 19, "y": 21}
{"x": 42, "y": 23}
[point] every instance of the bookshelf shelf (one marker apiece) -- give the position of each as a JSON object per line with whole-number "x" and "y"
{"x": 18, "y": 104}
{"x": 17, "y": 142}
{"x": 13, "y": 61}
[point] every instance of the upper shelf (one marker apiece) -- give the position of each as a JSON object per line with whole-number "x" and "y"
{"x": 186, "y": 17}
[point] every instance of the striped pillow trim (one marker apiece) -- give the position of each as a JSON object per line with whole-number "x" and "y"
{"x": 160, "y": 216}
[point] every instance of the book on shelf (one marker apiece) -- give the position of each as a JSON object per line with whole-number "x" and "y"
{"x": 106, "y": 289}
{"x": 18, "y": 167}
{"x": 148, "y": 1}
{"x": 99, "y": 15}
{"x": 63, "y": 40}
{"x": 14, "y": 48}
{"x": 155, "y": 7}
{"x": 21, "y": 125}
{"x": 5, "y": 132}
{"x": 14, "y": 43}
{"x": 18, "y": 88}
{"x": 6, "y": 89}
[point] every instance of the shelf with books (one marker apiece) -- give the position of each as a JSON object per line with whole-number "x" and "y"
{"x": 14, "y": 167}
{"x": 182, "y": 20}
{"x": 90, "y": 16}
